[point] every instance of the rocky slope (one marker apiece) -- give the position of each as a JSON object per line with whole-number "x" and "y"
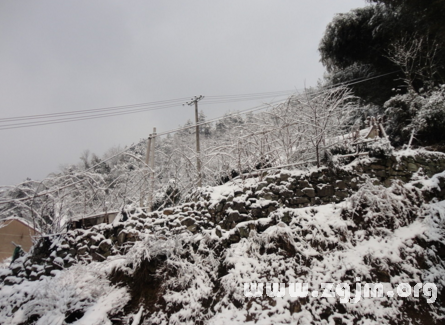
{"x": 378, "y": 219}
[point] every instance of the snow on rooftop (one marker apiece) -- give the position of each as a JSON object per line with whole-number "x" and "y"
{"x": 5, "y": 221}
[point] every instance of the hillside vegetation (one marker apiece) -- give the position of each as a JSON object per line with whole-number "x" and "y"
{"x": 188, "y": 264}
{"x": 297, "y": 193}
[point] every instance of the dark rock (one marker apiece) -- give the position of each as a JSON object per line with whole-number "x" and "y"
{"x": 286, "y": 193}
{"x": 299, "y": 200}
{"x": 120, "y": 238}
{"x": 316, "y": 200}
{"x": 11, "y": 280}
{"x": 286, "y": 218}
{"x": 324, "y": 190}
{"x": 354, "y": 184}
{"x": 284, "y": 176}
{"x": 188, "y": 222}
{"x": 84, "y": 250}
{"x": 275, "y": 189}
{"x": 132, "y": 237}
{"x": 315, "y": 175}
{"x": 341, "y": 185}
{"x": 239, "y": 206}
{"x": 270, "y": 196}
{"x": 272, "y": 208}
{"x": 227, "y": 206}
{"x": 220, "y": 206}
{"x": 380, "y": 173}
{"x": 48, "y": 269}
{"x": 35, "y": 276}
{"x": 244, "y": 231}
{"x": 105, "y": 247}
{"x": 393, "y": 172}
{"x": 299, "y": 192}
{"x": 261, "y": 185}
{"x": 341, "y": 194}
{"x": 376, "y": 167}
{"x": 62, "y": 253}
{"x": 258, "y": 213}
{"x": 412, "y": 167}
{"x": 238, "y": 193}
{"x": 235, "y": 216}
{"x": 310, "y": 192}
{"x": 270, "y": 179}
{"x": 263, "y": 225}
{"x": 234, "y": 238}
{"x": 193, "y": 228}
{"x": 295, "y": 307}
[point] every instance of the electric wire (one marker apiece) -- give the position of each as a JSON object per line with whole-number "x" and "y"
{"x": 157, "y": 103}
{"x": 108, "y": 114}
{"x": 81, "y": 118}
{"x": 263, "y": 106}
{"x": 127, "y": 149}
{"x": 91, "y": 111}
{"x": 62, "y": 117}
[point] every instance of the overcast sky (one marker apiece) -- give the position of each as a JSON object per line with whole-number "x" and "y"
{"x": 60, "y": 56}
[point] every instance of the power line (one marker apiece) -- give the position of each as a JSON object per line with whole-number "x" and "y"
{"x": 81, "y": 118}
{"x": 124, "y": 107}
{"x": 125, "y": 150}
{"x": 91, "y": 111}
{"x": 64, "y": 117}
{"x": 209, "y": 102}
{"x": 252, "y": 94}
{"x": 260, "y": 107}
{"x": 81, "y": 115}
{"x": 270, "y": 93}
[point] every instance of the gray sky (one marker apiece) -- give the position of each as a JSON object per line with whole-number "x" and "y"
{"x": 59, "y": 56}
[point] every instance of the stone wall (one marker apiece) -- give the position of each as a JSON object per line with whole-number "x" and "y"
{"x": 402, "y": 166}
{"x": 253, "y": 206}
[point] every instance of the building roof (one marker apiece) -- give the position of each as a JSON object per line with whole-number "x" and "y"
{"x": 98, "y": 215}
{"x": 6, "y": 221}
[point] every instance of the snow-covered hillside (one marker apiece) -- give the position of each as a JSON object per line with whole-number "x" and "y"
{"x": 375, "y": 220}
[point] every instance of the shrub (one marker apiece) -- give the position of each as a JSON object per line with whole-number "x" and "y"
{"x": 422, "y": 113}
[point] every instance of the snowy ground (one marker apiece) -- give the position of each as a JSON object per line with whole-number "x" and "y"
{"x": 173, "y": 276}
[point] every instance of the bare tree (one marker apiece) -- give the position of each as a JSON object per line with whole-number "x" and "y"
{"x": 322, "y": 116}
{"x": 417, "y": 58}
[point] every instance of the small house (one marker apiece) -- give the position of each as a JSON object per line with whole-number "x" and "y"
{"x": 15, "y": 231}
{"x": 90, "y": 221}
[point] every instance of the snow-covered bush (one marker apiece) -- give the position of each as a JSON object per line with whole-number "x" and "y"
{"x": 381, "y": 149}
{"x": 342, "y": 149}
{"x": 401, "y": 109}
{"x": 81, "y": 294}
{"x": 429, "y": 122}
{"x": 152, "y": 247}
{"x": 375, "y": 207}
{"x": 173, "y": 273}
{"x": 422, "y": 113}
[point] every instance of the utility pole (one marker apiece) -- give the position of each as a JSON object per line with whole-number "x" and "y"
{"x": 147, "y": 154}
{"x": 147, "y": 163}
{"x": 195, "y": 101}
{"x": 150, "y": 160}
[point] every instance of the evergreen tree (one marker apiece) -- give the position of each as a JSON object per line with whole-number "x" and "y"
{"x": 357, "y": 45}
